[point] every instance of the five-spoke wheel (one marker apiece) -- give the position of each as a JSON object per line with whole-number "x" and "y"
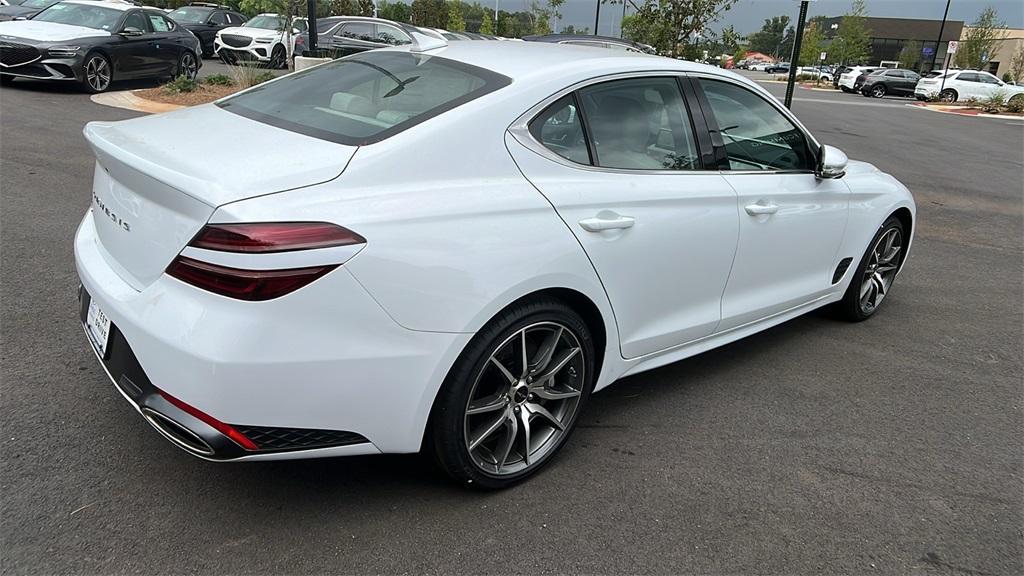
{"x": 97, "y": 73}
{"x": 514, "y": 395}
{"x": 877, "y": 271}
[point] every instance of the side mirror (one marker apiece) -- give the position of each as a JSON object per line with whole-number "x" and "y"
{"x": 296, "y": 31}
{"x": 831, "y": 163}
{"x": 131, "y": 31}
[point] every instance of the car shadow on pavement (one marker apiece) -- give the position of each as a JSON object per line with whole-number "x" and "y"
{"x": 64, "y": 87}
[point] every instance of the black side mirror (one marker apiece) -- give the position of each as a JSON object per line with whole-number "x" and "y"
{"x": 130, "y": 31}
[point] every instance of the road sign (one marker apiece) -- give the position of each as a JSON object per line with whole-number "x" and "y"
{"x": 822, "y": 57}
{"x": 953, "y": 45}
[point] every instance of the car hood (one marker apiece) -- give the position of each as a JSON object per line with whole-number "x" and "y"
{"x": 256, "y": 159}
{"x": 251, "y": 32}
{"x": 47, "y": 31}
{"x": 15, "y": 11}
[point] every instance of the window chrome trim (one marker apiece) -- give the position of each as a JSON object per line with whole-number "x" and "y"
{"x": 520, "y": 127}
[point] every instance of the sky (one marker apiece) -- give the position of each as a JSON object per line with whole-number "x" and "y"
{"x": 748, "y": 15}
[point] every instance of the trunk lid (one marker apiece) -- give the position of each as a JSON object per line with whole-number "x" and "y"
{"x": 159, "y": 178}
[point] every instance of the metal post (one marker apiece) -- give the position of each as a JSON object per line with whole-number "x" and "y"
{"x": 795, "y": 56}
{"x": 311, "y": 30}
{"x": 496, "y": 17}
{"x": 622, "y": 34}
{"x": 942, "y": 28}
{"x": 597, "y": 16}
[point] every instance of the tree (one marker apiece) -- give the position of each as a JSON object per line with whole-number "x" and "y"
{"x": 429, "y": 13}
{"x": 397, "y": 11}
{"x": 677, "y": 23}
{"x": 540, "y": 19}
{"x": 981, "y": 40}
{"x": 811, "y": 46}
{"x": 654, "y": 33}
{"x": 486, "y": 26}
{"x": 554, "y": 10}
{"x": 455, "y": 21}
{"x": 852, "y": 42}
{"x": 769, "y": 39}
{"x": 1017, "y": 64}
{"x": 730, "y": 39}
{"x": 910, "y": 55}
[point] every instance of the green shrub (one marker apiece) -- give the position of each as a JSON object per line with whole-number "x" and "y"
{"x": 1007, "y": 77}
{"x": 181, "y": 84}
{"x": 1016, "y": 104}
{"x": 264, "y": 77}
{"x": 246, "y": 75}
{"x": 219, "y": 80}
{"x": 971, "y": 102}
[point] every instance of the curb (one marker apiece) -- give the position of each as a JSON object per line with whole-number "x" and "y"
{"x": 959, "y": 111}
{"x": 127, "y": 100}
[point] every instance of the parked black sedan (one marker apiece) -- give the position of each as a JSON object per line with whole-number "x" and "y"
{"x": 888, "y": 81}
{"x": 95, "y": 43}
{"x": 205, "y": 19}
{"x": 339, "y": 36}
{"x": 778, "y": 68}
{"x": 26, "y": 9}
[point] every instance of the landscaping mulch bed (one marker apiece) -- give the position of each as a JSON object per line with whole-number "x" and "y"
{"x": 201, "y": 95}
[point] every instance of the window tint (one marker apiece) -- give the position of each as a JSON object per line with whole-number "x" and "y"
{"x": 358, "y": 31}
{"x": 365, "y": 98}
{"x": 136, "y": 20}
{"x": 159, "y": 23}
{"x": 968, "y": 77}
{"x": 219, "y": 18}
{"x": 639, "y": 124}
{"x": 391, "y": 35}
{"x": 757, "y": 136}
{"x": 190, "y": 15}
{"x": 988, "y": 79}
{"x": 560, "y": 129}
{"x": 90, "y": 16}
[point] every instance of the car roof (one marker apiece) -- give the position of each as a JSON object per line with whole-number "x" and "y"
{"x": 521, "y": 59}
{"x": 123, "y": 6}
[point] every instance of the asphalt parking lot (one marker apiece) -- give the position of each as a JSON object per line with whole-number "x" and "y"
{"x": 891, "y": 446}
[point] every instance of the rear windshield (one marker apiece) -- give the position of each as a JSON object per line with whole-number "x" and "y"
{"x": 365, "y": 98}
{"x": 191, "y": 15}
{"x": 936, "y": 74}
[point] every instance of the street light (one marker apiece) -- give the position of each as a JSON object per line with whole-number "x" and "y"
{"x": 794, "y": 59}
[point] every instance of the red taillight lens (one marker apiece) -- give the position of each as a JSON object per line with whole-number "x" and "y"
{"x": 252, "y": 285}
{"x": 225, "y": 429}
{"x": 274, "y": 237}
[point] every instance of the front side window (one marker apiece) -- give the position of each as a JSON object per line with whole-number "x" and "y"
{"x": 968, "y": 77}
{"x": 365, "y": 98}
{"x": 757, "y": 136}
{"x": 391, "y": 35}
{"x": 135, "y": 20}
{"x": 219, "y": 18}
{"x": 639, "y": 124}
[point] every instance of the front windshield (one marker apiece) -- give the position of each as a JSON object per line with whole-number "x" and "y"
{"x": 37, "y": 3}
{"x": 266, "y": 22}
{"x": 190, "y": 15}
{"x": 86, "y": 15}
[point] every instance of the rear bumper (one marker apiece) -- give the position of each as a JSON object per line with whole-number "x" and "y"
{"x": 324, "y": 361}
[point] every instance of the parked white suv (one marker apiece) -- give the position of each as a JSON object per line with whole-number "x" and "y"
{"x": 962, "y": 85}
{"x": 263, "y": 38}
{"x": 848, "y": 79}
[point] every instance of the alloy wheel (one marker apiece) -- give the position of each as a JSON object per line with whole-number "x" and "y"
{"x": 881, "y": 269}
{"x": 524, "y": 398}
{"x": 97, "y": 73}
{"x": 878, "y": 91}
{"x": 188, "y": 67}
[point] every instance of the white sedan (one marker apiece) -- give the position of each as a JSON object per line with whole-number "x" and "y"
{"x": 449, "y": 248}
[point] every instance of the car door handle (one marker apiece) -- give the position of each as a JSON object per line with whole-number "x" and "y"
{"x": 759, "y": 209}
{"x": 603, "y": 222}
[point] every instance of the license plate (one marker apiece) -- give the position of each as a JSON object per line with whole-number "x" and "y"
{"x": 97, "y": 325}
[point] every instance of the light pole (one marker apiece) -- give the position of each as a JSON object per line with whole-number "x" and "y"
{"x": 942, "y": 28}
{"x": 597, "y": 17}
{"x": 794, "y": 59}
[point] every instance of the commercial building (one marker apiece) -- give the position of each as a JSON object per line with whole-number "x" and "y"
{"x": 890, "y": 35}
{"x": 999, "y": 63}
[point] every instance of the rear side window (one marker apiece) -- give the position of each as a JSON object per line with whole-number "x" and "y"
{"x": 365, "y": 98}
{"x": 560, "y": 129}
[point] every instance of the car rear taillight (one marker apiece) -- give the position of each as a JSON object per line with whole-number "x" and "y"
{"x": 261, "y": 238}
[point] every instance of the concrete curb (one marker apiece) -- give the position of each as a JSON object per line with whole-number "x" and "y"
{"x": 960, "y": 111}
{"x": 127, "y": 100}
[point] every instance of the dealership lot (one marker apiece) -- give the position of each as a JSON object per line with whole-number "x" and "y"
{"x": 818, "y": 446}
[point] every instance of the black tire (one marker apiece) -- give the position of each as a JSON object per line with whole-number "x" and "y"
{"x": 97, "y": 86}
{"x": 278, "y": 58}
{"x": 852, "y": 307}
{"x": 948, "y": 95}
{"x": 188, "y": 65}
{"x": 6, "y": 80}
{"x": 845, "y": 89}
{"x": 878, "y": 91}
{"x": 446, "y": 437}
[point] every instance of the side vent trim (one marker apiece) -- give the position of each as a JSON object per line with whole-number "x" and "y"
{"x": 844, "y": 264}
